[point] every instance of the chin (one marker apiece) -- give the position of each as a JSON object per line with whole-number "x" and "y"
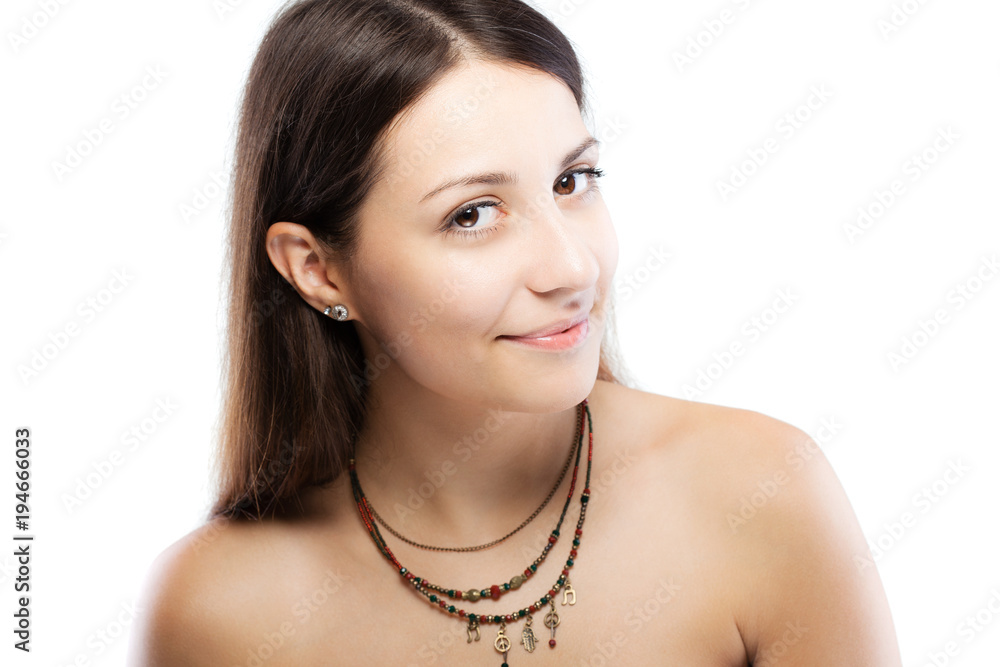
{"x": 546, "y": 389}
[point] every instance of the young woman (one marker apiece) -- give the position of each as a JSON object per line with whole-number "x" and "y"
{"x": 421, "y": 271}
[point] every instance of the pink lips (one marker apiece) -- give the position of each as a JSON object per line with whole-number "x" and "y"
{"x": 560, "y": 340}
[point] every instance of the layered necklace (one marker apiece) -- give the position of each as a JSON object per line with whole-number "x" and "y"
{"x": 442, "y": 597}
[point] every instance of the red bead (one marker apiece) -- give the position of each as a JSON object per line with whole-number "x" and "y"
{"x": 508, "y": 618}
{"x": 461, "y": 613}
{"x": 442, "y": 604}
{"x": 579, "y": 532}
{"x": 552, "y": 643}
{"x": 552, "y": 540}
{"x": 495, "y": 592}
{"x": 572, "y": 553}
{"x": 533, "y": 608}
{"x": 552, "y": 592}
{"x": 527, "y": 572}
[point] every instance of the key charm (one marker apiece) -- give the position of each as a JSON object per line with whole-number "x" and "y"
{"x": 528, "y": 636}
{"x": 473, "y": 625}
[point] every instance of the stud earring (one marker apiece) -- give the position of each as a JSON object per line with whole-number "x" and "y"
{"x": 340, "y": 312}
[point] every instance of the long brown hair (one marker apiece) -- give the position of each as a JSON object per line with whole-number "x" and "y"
{"x": 326, "y": 83}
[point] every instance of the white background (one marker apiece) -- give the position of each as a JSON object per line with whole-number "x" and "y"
{"x": 672, "y": 130}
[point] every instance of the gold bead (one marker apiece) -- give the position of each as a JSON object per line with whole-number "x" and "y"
{"x": 472, "y": 595}
{"x": 516, "y": 582}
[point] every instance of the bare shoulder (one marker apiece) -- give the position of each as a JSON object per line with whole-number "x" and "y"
{"x": 725, "y": 439}
{"x": 211, "y": 596}
{"x": 729, "y": 451}
{"x": 761, "y": 491}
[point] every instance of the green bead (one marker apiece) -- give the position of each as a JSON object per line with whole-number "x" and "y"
{"x": 451, "y": 608}
{"x": 533, "y": 567}
{"x": 497, "y": 619}
{"x": 521, "y": 612}
{"x": 506, "y": 587}
{"x": 576, "y": 543}
{"x": 434, "y": 598}
{"x": 569, "y": 563}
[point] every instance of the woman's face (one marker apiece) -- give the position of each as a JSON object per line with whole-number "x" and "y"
{"x": 486, "y": 224}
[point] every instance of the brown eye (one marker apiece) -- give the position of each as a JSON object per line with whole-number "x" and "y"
{"x": 468, "y": 217}
{"x": 473, "y": 218}
{"x": 567, "y": 181}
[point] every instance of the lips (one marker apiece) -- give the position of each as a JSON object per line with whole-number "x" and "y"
{"x": 559, "y": 341}
{"x": 551, "y": 329}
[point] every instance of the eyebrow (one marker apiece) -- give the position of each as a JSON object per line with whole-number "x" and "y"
{"x": 506, "y": 177}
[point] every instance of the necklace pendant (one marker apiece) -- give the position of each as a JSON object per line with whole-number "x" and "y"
{"x": 528, "y": 636}
{"x": 502, "y": 643}
{"x": 552, "y": 618}
{"x": 551, "y": 621}
{"x": 473, "y": 626}
{"x": 568, "y": 593}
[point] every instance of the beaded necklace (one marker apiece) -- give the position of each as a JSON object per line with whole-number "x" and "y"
{"x": 502, "y": 642}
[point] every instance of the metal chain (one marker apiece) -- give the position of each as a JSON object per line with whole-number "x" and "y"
{"x": 579, "y": 417}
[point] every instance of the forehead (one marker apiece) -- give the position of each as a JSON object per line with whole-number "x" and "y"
{"x": 480, "y": 116}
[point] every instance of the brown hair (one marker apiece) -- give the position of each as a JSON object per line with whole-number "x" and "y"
{"x": 329, "y": 78}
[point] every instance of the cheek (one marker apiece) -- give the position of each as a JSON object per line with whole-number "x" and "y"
{"x": 427, "y": 304}
{"x": 460, "y": 304}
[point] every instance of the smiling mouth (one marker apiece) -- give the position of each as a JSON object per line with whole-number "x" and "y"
{"x": 553, "y": 330}
{"x": 566, "y": 339}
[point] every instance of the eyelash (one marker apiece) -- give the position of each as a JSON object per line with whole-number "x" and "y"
{"x": 470, "y": 234}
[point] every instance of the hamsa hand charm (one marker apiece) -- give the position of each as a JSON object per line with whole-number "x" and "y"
{"x": 528, "y": 636}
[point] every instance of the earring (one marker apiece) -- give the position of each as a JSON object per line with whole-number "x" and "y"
{"x": 339, "y": 310}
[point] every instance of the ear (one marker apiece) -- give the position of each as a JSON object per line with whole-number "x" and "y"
{"x": 298, "y": 257}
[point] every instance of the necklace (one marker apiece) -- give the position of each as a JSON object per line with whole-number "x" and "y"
{"x": 494, "y": 591}
{"x": 579, "y": 418}
{"x": 502, "y": 643}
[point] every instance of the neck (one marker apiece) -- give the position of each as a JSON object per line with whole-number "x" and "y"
{"x": 448, "y": 473}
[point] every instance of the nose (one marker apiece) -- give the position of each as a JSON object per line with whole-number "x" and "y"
{"x": 560, "y": 249}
